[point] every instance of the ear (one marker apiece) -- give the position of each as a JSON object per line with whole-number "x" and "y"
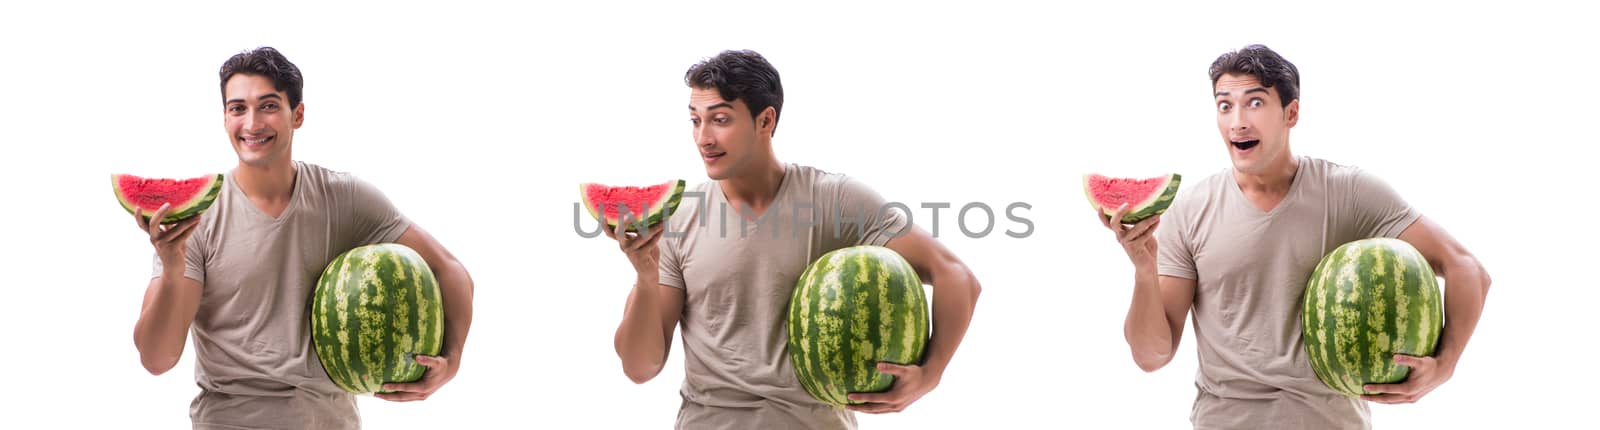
{"x": 299, "y": 114}
{"x": 767, "y": 121}
{"x": 1291, "y": 113}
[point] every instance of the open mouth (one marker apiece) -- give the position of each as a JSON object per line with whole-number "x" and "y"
{"x": 1245, "y": 145}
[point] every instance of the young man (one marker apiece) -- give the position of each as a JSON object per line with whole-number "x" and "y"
{"x": 241, "y": 274}
{"x": 1238, "y": 247}
{"x": 728, "y": 279}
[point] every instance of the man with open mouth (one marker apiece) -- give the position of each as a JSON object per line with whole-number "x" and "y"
{"x": 241, "y": 274}
{"x": 730, "y": 291}
{"x": 1237, "y": 248}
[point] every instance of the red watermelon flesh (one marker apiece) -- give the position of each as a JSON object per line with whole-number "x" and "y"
{"x": 187, "y": 197}
{"x": 1146, "y": 197}
{"x": 647, "y": 205}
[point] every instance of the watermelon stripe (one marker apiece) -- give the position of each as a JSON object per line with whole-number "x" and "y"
{"x": 848, "y": 312}
{"x": 371, "y": 313}
{"x": 1366, "y": 301}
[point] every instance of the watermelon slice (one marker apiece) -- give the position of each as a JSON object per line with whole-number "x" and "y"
{"x": 1145, "y": 197}
{"x": 605, "y": 202}
{"x": 189, "y": 197}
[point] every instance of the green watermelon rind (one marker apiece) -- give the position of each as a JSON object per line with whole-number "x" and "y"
{"x": 658, "y": 211}
{"x": 1156, "y": 204}
{"x": 351, "y": 284}
{"x": 1344, "y": 350}
{"x": 816, "y": 313}
{"x": 178, "y": 212}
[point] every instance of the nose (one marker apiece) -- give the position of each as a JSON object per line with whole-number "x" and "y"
{"x": 1237, "y": 123}
{"x": 702, "y": 135}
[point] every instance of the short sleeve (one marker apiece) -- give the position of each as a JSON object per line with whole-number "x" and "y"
{"x": 1174, "y": 255}
{"x": 668, "y": 265}
{"x": 194, "y": 263}
{"x": 863, "y": 217}
{"x": 373, "y": 218}
{"x": 1379, "y": 210}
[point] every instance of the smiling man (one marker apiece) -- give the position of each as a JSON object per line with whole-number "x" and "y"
{"x": 1238, "y": 247}
{"x": 241, "y": 274}
{"x": 728, "y": 282}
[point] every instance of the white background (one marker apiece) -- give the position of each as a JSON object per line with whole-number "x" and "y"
{"x": 478, "y": 121}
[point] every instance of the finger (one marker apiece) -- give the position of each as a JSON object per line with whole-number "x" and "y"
{"x": 180, "y": 232}
{"x": 434, "y": 363}
{"x": 1401, "y": 389}
{"x": 1121, "y": 212}
{"x": 401, "y": 397}
{"x": 895, "y": 369}
{"x": 153, "y": 226}
{"x": 421, "y": 386}
{"x": 1406, "y": 360}
{"x": 1389, "y": 399}
{"x": 1139, "y": 229}
{"x": 882, "y": 397}
{"x": 651, "y": 239}
{"x": 873, "y": 408}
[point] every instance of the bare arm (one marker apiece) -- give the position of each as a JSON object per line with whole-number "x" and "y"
{"x": 1466, "y": 286}
{"x": 644, "y": 337}
{"x": 955, "y": 295}
{"x": 170, "y": 300}
{"x": 455, "y": 285}
{"x": 170, "y": 304}
{"x": 1156, "y": 316}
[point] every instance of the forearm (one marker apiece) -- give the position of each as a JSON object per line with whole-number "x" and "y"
{"x": 169, "y": 308}
{"x": 1146, "y": 329}
{"x": 1466, "y": 286}
{"x": 955, "y": 297}
{"x": 457, "y": 289}
{"x": 639, "y": 340}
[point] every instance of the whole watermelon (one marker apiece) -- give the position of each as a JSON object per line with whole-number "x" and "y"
{"x": 374, "y": 309}
{"x": 1367, "y": 301}
{"x": 851, "y": 309}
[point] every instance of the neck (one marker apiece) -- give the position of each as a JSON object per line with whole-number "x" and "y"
{"x": 274, "y": 182}
{"x": 1275, "y": 179}
{"x": 756, "y": 189}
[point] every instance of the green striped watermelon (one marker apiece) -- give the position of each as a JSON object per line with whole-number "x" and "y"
{"x": 605, "y": 202}
{"x": 1367, "y": 301}
{"x": 188, "y": 197}
{"x": 1146, "y": 197}
{"x": 374, "y": 309}
{"x": 851, "y": 309}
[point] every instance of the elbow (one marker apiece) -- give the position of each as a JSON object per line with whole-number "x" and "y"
{"x": 157, "y": 364}
{"x": 1151, "y": 362}
{"x": 641, "y": 373}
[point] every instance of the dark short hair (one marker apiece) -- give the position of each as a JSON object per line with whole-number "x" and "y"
{"x": 1265, "y": 65}
{"x": 269, "y": 63}
{"x": 740, "y": 75}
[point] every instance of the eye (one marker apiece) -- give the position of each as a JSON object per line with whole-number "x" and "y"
{"x": 722, "y": 120}
{"x": 1256, "y": 103}
{"x": 695, "y": 121}
{"x": 1223, "y": 106}
{"x": 269, "y": 107}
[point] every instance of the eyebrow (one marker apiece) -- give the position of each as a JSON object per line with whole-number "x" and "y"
{"x": 1252, "y": 90}
{"x": 713, "y": 107}
{"x": 268, "y": 96}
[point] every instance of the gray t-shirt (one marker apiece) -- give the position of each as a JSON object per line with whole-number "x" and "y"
{"x": 1251, "y": 269}
{"x": 253, "y": 357}
{"x": 738, "y": 275}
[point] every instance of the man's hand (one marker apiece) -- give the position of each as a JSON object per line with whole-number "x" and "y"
{"x": 169, "y": 239}
{"x": 1138, "y": 241}
{"x": 440, "y": 370}
{"x": 641, "y": 250}
{"x": 1426, "y": 374}
{"x": 910, "y": 384}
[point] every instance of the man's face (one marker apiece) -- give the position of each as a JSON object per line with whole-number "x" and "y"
{"x": 1253, "y": 122}
{"x": 727, "y": 137}
{"x": 258, "y": 120}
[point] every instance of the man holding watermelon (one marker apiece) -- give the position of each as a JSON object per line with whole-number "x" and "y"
{"x": 729, "y": 285}
{"x": 240, "y": 275}
{"x": 1239, "y": 246}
